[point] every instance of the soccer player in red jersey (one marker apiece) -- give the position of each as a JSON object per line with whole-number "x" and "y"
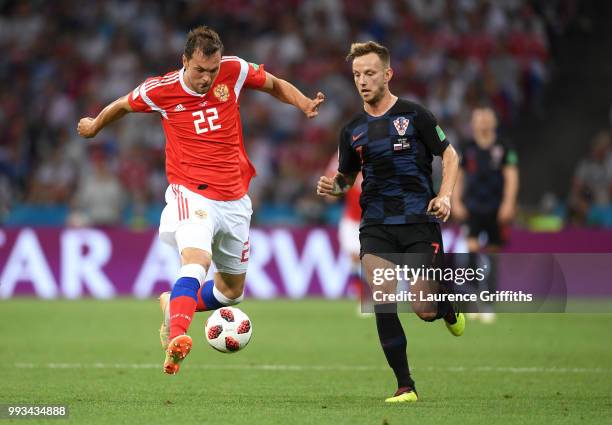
{"x": 208, "y": 211}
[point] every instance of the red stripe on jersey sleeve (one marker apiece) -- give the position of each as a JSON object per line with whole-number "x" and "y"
{"x": 179, "y": 202}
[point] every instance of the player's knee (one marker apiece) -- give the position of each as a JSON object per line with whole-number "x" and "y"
{"x": 427, "y": 316}
{"x": 196, "y": 256}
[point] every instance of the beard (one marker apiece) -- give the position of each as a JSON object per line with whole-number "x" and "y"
{"x": 376, "y": 96}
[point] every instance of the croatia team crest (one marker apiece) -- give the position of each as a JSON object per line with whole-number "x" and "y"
{"x": 401, "y": 125}
{"x": 221, "y": 92}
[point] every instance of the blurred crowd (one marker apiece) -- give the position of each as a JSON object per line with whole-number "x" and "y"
{"x": 62, "y": 61}
{"x": 590, "y": 198}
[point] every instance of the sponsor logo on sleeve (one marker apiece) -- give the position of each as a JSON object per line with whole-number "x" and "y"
{"x": 441, "y": 134}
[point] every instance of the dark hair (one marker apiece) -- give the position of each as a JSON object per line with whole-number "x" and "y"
{"x": 204, "y": 39}
{"x": 362, "y": 49}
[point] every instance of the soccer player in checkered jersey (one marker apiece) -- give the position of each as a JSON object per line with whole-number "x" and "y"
{"x": 208, "y": 211}
{"x": 392, "y": 142}
{"x": 485, "y": 197}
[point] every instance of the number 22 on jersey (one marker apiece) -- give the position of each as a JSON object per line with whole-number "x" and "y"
{"x": 211, "y": 116}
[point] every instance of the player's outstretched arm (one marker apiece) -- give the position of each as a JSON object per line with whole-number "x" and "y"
{"x": 288, "y": 93}
{"x": 440, "y": 206}
{"x": 337, "y": 186}
{"x": 88, "y": 127}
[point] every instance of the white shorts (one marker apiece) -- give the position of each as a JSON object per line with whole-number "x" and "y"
{"x": 221, "y": 228}
{"x": 348, "y": 235}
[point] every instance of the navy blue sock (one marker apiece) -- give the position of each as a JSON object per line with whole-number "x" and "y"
{"x": 445, "y": 308}
{"x": 185, "y": 287}
{"x": 393, "y": 342}
{"x": 206, "y": 297}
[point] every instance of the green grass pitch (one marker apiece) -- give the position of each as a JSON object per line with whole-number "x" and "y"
{"x": 309, "y": 362}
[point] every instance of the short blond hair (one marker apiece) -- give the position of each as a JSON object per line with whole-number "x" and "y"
{"x": 362, "y": 49}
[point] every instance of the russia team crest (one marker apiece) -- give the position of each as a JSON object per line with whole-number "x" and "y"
{"x": 221, "y": 92}
{"x": 401, "y": 125}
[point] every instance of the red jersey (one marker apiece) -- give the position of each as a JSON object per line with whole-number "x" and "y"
{"x": 204, "y": 145}
{"x": 352, "y": 208}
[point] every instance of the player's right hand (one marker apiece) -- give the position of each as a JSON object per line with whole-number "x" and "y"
{"x": 87, "y": 128}
{"x": 440, "y": 207}
{"x": 326, "y": 186}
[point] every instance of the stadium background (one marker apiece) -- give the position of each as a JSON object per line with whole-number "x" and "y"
{"x": 536, "y": 62}
{"x": 79, "y": 217}
{"x": 540, "y": 63}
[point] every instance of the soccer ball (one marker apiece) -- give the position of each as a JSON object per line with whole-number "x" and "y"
{"x": 228, "y": 330}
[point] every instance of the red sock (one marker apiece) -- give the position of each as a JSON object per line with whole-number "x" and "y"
{"x": 182, "y": 310}
{"x": 207, "y": 300}
{"x": 200, "y": 306}
{"x": 183, "y": 300}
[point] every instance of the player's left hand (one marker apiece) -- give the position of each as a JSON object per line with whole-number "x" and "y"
{"x": 326, "y": 186}
{"x": 440, "y": 207}
{"x": 505, "y": 214}
{"x": 311, "y": 109}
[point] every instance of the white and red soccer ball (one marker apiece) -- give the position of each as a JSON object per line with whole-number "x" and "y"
{"x": 228, "y": 330}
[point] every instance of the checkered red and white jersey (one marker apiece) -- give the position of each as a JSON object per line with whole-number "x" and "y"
{"x": 204, "y": 144}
